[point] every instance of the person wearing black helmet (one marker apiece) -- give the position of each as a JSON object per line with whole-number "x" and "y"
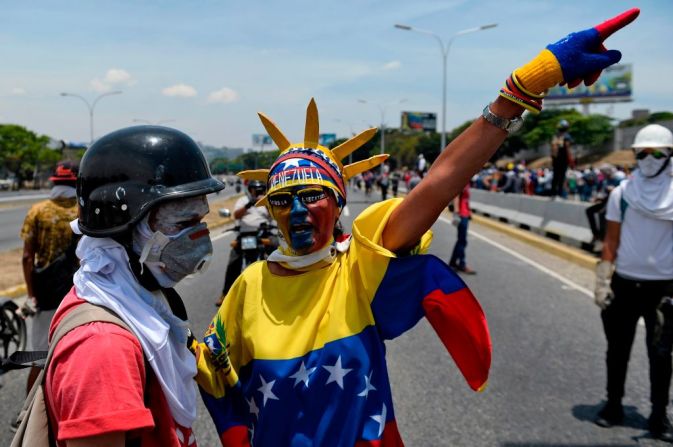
{"x": 248, "y": 218}
{"x": 141, "y": 195}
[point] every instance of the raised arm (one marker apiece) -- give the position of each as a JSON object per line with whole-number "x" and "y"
{"x": 577, "y": 57}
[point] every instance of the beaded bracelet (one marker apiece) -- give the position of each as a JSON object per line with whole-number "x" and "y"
{"x": 514, "y": 91}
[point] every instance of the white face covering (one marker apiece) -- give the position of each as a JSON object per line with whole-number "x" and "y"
{"x": 650, "y": 166}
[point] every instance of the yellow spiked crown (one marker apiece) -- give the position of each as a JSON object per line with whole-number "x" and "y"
{"x": 309, "y": 163}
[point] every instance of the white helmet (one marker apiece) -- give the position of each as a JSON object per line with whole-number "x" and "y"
{"x": 653, "y": 136}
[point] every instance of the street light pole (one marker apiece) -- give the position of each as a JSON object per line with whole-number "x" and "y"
{"x": 382, "y": 109}
{"x": 91, "y": 106}
{"x": 444, "y": 47}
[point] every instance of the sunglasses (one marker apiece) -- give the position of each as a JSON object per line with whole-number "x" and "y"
{"x": 656, "y": 154}
{"x": 307, "y": 196}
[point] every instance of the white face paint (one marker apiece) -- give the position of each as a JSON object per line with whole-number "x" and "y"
{"x": 172, "y": 242}
{"x": 176, "y": 215}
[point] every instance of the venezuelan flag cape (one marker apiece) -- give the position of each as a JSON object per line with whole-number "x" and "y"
{"x": 306, "y": 362}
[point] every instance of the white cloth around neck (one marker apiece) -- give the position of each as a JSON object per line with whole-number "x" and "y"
{"x": 653, "y": 196}
{"x": 105, "y": 279}
{"x": 326, "y": 254}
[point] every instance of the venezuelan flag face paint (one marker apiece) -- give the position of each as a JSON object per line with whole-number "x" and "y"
{"x": 305, "y": 215}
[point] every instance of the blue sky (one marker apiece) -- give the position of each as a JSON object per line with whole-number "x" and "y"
{"x": 209, "y": 66}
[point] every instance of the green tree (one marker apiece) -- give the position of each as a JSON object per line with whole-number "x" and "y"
{"x": 428, "y": 145}
{"x": 659, "y": 116}
{"x": 219, "y": 166}
{"x": 592, "y": 130}
{"x": 652, "y": 118}
{"x": 22, "y": 151}
{"x": 255, "y": 160}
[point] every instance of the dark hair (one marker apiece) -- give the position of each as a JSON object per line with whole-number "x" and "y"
{"x": 338, "y": 230}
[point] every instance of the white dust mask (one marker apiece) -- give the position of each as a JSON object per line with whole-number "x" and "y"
{"x": 172, "y": 257}
{"x": 650, "y": 166}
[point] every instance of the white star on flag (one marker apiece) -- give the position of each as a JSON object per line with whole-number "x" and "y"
{"x": 337, "y": 373}
{"x": 254, "y": 409}
{"x": 291, "y": 162}
{"x": 302, "y": 375}
{"x": 265, "y": 389}
{"x": 368, "y": 385}
{"x": 381, "y": 419}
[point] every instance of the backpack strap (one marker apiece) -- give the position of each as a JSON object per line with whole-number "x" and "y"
{"x": 82, "y": 314}
{"x": 623, "y": 205}
{"x": 34, "y": 426}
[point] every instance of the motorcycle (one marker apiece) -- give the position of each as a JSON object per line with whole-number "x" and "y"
{"x": 255, "y": 245}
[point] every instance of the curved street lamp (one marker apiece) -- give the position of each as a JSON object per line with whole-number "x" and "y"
{"x": 91, "y": 106}
{"x": 445, "y": 52}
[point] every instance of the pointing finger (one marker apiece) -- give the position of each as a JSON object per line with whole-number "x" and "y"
{"x": 607, "y": 28}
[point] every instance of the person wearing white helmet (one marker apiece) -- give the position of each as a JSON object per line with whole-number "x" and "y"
{"x": 634, "y": 278}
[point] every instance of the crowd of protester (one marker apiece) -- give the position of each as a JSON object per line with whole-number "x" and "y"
{"x": 585, "y": 184}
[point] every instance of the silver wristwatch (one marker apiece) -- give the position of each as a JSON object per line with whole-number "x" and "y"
{"x": 502, "y": 123}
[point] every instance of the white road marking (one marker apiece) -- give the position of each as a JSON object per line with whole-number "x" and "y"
{"x": 528, "y": 261}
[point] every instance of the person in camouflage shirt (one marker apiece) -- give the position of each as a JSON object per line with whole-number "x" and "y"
{"x": 46, "y": 235}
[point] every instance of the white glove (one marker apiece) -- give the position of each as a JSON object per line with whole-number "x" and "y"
{"x": 602, "y": 292}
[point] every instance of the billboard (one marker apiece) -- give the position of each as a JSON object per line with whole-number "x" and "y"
{"x": 420, "y": 121}
{"x": 261, "y": 139}
{"x": 614, "y": 85}
{"x": 325, "y": 139}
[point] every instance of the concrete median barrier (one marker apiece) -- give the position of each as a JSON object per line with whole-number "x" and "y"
{"x": 559, "y": 219}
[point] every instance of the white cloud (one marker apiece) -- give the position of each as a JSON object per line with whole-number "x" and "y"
{"x": 117, "y": 75}
{"x": 392, "y": 65}
{"x": 180, "y": 90}
{"x": 18, "y": 91}
{"x": 224, "y": 95}
{"x": 99, "y": 86}
{"x": 114, "y": 77}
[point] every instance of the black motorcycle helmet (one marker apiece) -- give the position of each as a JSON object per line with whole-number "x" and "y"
{"x": 257, "y": 187}
{"x": 126, "y": 172}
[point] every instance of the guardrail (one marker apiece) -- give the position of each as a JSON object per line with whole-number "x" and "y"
{"x": 562, "y": 220}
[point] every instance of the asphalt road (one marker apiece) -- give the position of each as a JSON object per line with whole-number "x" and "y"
{"x": 547, "y": 378}
{"x": 11, "y": 217}
{"x": 12, "y": 220}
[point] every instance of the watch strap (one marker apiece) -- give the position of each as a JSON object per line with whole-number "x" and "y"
{"x": 508, "y": 125}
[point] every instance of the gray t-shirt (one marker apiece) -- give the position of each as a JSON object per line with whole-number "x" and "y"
{"x": 254, "y": 216}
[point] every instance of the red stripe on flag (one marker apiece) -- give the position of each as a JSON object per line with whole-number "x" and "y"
{"x": 460, "y": 323}
{"x": 390, "y": 438}
{"x": 236, "y": 436}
